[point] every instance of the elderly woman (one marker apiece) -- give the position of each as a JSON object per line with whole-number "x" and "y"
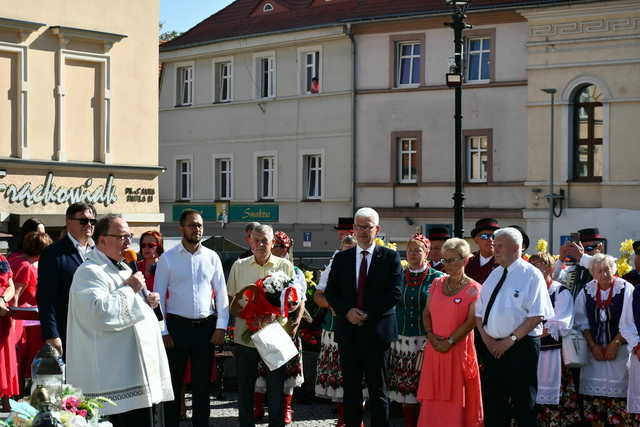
{"x": 449, "y": 388}
{"x": 630, "y": 330}
{"x": 294, "y": 377}
{"x": 328, "y": 370}
{"x": 598, "y": 310}
{"x": 556, "y": 405}
{"x": 405, "y": 361}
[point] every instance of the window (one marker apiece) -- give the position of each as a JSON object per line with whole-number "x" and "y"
{"x": 312, "y": 72}
{"x": 407, "y": 160}
{"x": 224, "y": 81}
{"x": 183, "y": 179}
{"x": 266, "y": 177}
{"x": 408, "y": 64}
{"x": 224, "y": 178}
{"x": 588, "y": 127}
{"x": 266, "y": 76}
{"x": 479, "y": 59}
{"x": 312, "y": 165}
{"x": 268, "y": 7}
{"x": 184, "y": 85}
{"x": 477, "y": 158}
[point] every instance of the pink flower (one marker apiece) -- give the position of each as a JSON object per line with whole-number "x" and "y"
{"x": 82, "y": 413}
{"x": 70, "y": 402}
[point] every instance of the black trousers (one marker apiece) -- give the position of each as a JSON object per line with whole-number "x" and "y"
{"x": 192, "y": 340}
{"x": 361, "y": 358}
{"x": 511, "y": 384}
{"x": 142, "y": 417}
{"x": 246, "y": 373}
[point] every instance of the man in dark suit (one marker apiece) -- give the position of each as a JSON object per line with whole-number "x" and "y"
{"x": 363, "y": 289}
{"x": 56, "y": 268}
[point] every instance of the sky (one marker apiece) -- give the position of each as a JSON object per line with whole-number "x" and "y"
{"x": 180, "y": 15}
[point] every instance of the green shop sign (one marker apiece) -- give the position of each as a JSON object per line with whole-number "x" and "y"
{"x": 248, "y": 213}
{"x": 208, "y": 212}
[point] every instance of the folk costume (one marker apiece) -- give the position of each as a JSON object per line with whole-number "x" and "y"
{"x": 630, "y": 330}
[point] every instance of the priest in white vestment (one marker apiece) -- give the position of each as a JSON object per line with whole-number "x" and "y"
{"x": 114, "y": 344}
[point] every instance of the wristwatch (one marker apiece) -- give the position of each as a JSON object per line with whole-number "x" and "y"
{"x": 513, "y": 337}
{"x": 451, "y": 341}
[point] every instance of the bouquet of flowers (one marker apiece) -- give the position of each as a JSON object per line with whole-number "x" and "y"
{"x": 273, "y": 295}
{"x": 68, "y": 405}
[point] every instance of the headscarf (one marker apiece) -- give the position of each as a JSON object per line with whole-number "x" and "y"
{"x": 420, "y": 238}
{"x": 281, "y": 238}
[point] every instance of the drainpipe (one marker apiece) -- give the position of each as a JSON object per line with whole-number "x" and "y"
{"x": 354, "y": 122}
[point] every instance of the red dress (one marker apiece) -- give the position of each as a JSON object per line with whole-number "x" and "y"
{"x": 449, "y": 388}
{"x": 30, "y": 341}
{"x": 9, "y": 385}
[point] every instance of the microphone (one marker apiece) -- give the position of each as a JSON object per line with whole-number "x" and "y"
{"x": 131, "y": 257}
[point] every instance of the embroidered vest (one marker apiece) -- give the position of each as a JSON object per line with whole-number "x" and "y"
{"x": 604, "y": 326}
{"x": 636, "y": 307}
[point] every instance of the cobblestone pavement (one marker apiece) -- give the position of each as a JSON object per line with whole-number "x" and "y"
{"x": 317, "y": 413}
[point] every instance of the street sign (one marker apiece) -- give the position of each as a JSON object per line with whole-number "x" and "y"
{"x": 564, "y": 239}
{"x": 306, "y": 239}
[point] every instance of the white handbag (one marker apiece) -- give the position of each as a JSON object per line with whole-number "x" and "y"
{"x": 274, "y": 345}
{"x": 575, "y": 352}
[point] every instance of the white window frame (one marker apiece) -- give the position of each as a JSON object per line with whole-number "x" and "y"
{"x": 216, "y": 88}
{"x": 411, "y": 58}
{"x": 178, "y": 175}
{"x": 412, "y": 152}
{"x": 216, "y": 179}
{"x": 479, "y": 151}
{"x": 258, "y": 175}
{"x": 257, "y": 61}
{"x": 480, "y": 52}
{"x": 179, "y": 95}
{"x": 302, "y": 69}
{"x": 22, "y": 91}
{"x": 303, "y": 190}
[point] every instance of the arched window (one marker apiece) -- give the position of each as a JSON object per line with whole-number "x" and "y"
{"x": 268, "y": 7}
{"x": 588, "y": 128}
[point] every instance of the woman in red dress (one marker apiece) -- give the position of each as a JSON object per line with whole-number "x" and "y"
{"x": 9, "y": 385}
{"x": 449, "y": 389}
{"x": 151, "y": 247}
{"x": 24, "y": 266}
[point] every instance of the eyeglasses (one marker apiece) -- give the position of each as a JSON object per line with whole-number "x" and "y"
{"x": 487, "y": 236}
{"x": 121, "y": 237}
{"x": 148, "y": 245}
{"x": 85, "y": 221}
{"x": 451, "y": 260}
{"x": 195, "y": 225}
{"x": 364, "y": 227}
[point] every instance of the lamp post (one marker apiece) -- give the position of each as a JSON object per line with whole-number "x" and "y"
{"x": 454, "y": 79}
{"x": 551, "y": 196}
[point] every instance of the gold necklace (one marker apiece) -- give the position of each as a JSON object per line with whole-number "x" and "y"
{"x": 452, "y": 290}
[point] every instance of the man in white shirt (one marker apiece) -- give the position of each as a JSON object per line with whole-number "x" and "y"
{"x": 513, "y": 302}
{"x": 189, "y": 277}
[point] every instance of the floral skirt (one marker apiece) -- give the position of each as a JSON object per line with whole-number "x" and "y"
{"x": 610, "y": 410}
{"x": 567, "y": 413}
{"x": 294, "y": 375}
{"x": 405, "y": 364}
{"x": 328, "y": 371}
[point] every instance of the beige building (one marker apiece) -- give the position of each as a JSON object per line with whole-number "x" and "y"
{"x": 80, "y": 119}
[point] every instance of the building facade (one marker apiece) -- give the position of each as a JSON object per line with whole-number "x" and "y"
{"x": 401, "y": 114}
{"x": 80, "y": 119}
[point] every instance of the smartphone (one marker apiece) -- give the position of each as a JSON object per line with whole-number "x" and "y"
{"x": 575, "y": 237}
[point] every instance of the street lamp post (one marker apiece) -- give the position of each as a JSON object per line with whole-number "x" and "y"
{"x": 551, "y": 196}
{"x": 454, "y": 79}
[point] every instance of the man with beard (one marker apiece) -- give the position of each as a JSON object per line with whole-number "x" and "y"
{"x": 190, "y": 273}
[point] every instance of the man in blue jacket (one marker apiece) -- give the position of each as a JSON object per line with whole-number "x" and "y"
{"x": 56, "y": 268}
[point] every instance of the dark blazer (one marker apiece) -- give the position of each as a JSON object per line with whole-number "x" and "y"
{"x": 382, "y": 294}
{"x": 56, "y": 267}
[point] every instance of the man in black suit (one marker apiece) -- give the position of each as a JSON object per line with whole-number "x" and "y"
{"x": 56, "y": 268}
{"x": 363, "y": 289}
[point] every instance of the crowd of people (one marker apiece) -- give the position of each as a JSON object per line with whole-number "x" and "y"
{"x": 454, "y": 337}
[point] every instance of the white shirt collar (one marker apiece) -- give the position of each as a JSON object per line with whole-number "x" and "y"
{"x": 77, "y": 244}
{"x": 484, "y": 260}
{"x": 183, "y": 249}
{"x": 419, "y": 270}
{"x": 369, "y": 249}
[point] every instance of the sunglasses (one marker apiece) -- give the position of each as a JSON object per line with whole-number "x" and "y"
{"x": 85, "y": 221}
{"x": 450, "y": 261}
{"x": 589, "y": 248}
{"x": 149, "y": 245}
{"x": 487, "y": 236}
